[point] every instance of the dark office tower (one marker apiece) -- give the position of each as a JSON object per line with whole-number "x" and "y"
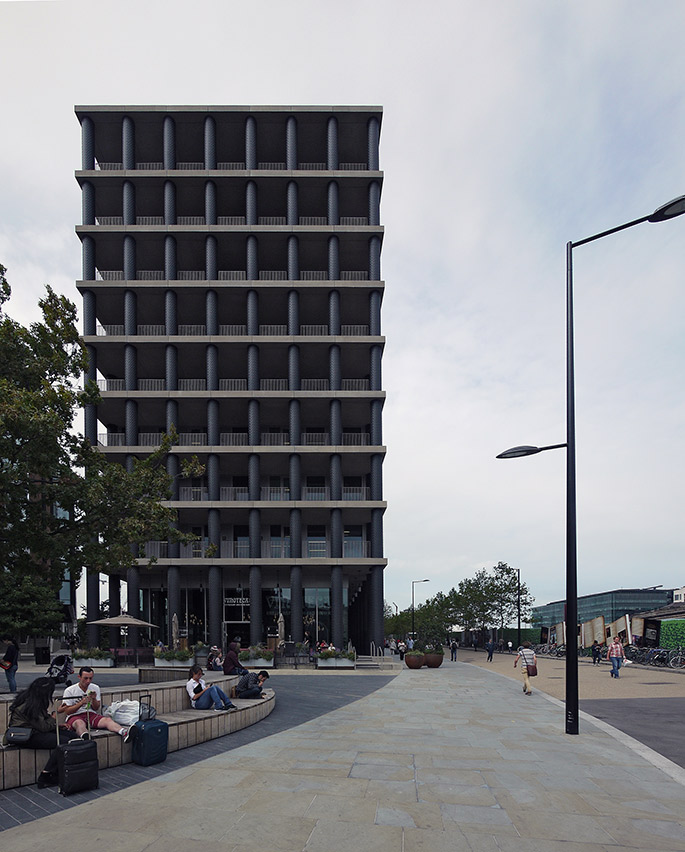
{"x": 232, "y": 288}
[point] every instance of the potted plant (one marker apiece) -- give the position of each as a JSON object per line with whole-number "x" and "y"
{"x": 414, "y": 659}
{"x": 257, "y": 657}
{"x": 173, "y": 659}
{"x": 433, "y": 655}
{"x": 334, "y": 659}
{"x": 93, "y": 657}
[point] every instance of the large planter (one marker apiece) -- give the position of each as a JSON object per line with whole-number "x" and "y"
{"x": 258, "y": 663}
{"x": 334, "y": 663}
{"x": 172, "y": 664}
{"x": 433, "y": 661}
{"x": 414, "y": 661}
{"x": 93, "y": 663}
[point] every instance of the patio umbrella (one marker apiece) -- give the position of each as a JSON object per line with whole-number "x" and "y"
{"x": 122, "y": 621}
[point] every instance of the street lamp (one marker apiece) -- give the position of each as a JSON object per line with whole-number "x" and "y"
{"x": 670, "y": 210}
{"x": 413, "y": 583}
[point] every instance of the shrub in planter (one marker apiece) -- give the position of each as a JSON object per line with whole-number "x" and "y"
{"x": 182, "y": 655}
{"x": 414, "y": 659}
{"x": 92, "y": 654}
{"x": 256, "y": 652}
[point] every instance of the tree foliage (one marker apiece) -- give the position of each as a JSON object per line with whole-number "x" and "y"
{"x": 63, "y": 506}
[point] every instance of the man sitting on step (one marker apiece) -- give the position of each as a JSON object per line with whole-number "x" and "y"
{"x": 81, "y": 702}
{"x": 250, "y": 685}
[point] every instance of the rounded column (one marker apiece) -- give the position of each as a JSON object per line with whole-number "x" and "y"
{"x": 296, "y": 609}
{"x": 250, "y": 143}
{"x": 332, "y": 162}
{"x": 293, "y": 312}
{"x": 252, "y": 367}
{"x": 253, "y": 477}
{"x": 131, "y": 422}
{"x": 89, "y": 313}
{"x": 128, "y": 203}
{"x": 335, "y": 476}
{"x": 334, "y": 312}
{"x": 210, "y": 203}
{"x": 252, "y": 313}
{"x": 293, "y": 258}
{"x": 210, "y": 143}
{"x": 374, "y": 203}
{"x": 169, "y": 143}
{"x": 214, "y": 529}
{"x": 333, "y": 258}
{"x": 169, "y": 202}
{"x": 87, "y": 144}
{"x": 212, "y": 366}
{"x": 130, "y": 368}
{"x": 173, "y": 579}
{"x": 375, "y": 368}
{"x": 294, "y": 423}
{"x": 133, "y": 603}
{"x": 333, "y": 203}
{"x": 93, "y": 607}
{"x": 291, "y": 161}
{"x": 114, "y": 597}
{"x": 173, "y": 469}
{"x": 88, "y": 258}
{"x": 295, "y": 476}
{"x": 337, "y": 606}
{"x": 211, "y": 271}
{"x": 375, "y": 259}
{"x": 88, "y": 203}
{"x": 128, "y": 143}
{"x": 129, "y": 258}
{"x": 213, "y": 477}
{"x": 377, "y": 422}
{"x": 296, "y": 533}
{"x": 375, "y": 313}
{"x": 255, "y": 604}
{"x": 213, "y": 434}
{"x": 376, "y": 477}
{"x": 294, "y": 383}
{"x": 253, "y": 427}
{"x": 212, "y": 312}
{"x": 170, "y": 268}
{"x": 215, "y": 605}
{"x": 336, "y": 534}
{"x": 334, "y": 373}
{"x": 291, "y": 205}
{"x": 130, "y": 313}
{"x": 170, "y": 313}
{"x": 251, "y": 203}
{"x": 252, "y": 259}
{"x": 335, "y": 425}
{"x": 171, "y": 415}
{"x": 373, "y": 137}
{"x": 171, "y": 367}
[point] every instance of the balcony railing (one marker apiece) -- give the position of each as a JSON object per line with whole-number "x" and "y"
{"x": 149, "y": 220}
{"x": 273, "y": 384}
{"x": 313, "y": 220}
{"x": 231, "y": 167}
{"x": 269, "y": 549}
{"x": 316, "y": 492}
{"x": 275, "y": 439}
{"x": 268, "y": 492}
{"x": 193, "y": 493}
{"x": 231, "y": 220}
{"x": 192, "y": 384}
{"x": 232, "y": 275}
{"x": 315, "y": 439}
{"x": 233, "y": 492}
{"x": 233, "y": 384}
{"x": 354, "y": 493}
{"x": 271, "y": 220}
{"x": 273, "y": 330}
{"x": 232, "y": 439}
{"x": 314, "y": 330}
{"x": 190, "y": 220}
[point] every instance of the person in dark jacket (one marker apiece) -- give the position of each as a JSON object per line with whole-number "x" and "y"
{"x": 231, "y": 664}
{"x": 250, "y": 685}
{"x": 10, "y": 662}
{"x": 30, "y": 709}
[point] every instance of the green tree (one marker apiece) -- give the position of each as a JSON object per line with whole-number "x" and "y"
{"x": 62, "y": 504}
{"x": 505, "y": 587}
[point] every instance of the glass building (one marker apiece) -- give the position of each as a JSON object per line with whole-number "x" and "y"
{"x": 612, "y": 605}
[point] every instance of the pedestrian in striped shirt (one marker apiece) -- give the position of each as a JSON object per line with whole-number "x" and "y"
{"x": 528, "y": 658}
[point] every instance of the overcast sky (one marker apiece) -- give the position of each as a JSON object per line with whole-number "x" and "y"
{"x": 509, "y": 128}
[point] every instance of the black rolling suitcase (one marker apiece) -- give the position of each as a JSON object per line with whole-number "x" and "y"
{"x": 77, "y": 764}
{"x": 150, "y": 739}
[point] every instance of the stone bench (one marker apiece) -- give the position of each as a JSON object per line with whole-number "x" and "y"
{"x": 187, "y": 727}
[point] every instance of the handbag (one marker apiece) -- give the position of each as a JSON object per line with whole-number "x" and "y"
{"x": 532, "y": 670}
{"x": 18, "y": 736}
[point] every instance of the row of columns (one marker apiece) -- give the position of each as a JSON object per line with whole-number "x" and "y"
{"x": 252, "y": 266}
{"x": 169, "y": 161}
{"x": 210, "y": 206}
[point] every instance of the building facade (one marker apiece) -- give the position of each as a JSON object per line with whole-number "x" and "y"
{"x": 232, "y": 288}
{"x": 611, "y": 605}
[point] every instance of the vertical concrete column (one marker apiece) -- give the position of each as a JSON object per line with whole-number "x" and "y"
{"x": 213, "y": 435}
{"x": 296, "y": 533}
{"x": 251, "y": 203}
{"x": 293, "y": 259}
{"x": 296, "y": 610}
{"x": 173, "y": 579}
{"x": 373, "y": 136}
{"x": 129, "y": 258}
{"x": 252, "y": 259}
{"x": 294, "y": 368}
{"x": 211, "y": 273}
{"x": 133, "y": 603}
{"x": 130, "y": 368}
{"x": 171, "y": 367}
{"x": 294, "y": 423}
{"x": 333, "y": 203}
{"x": 88, "y": 203}
{"x": 128, "y": 143}
{"x": 131, "y": 422}
{"x": 376, "y": 533}
{"x": 128, "y": 203}
{"x": 210, "y": 203}
{"x": 332, "y": 162}
{"x": 376, "y": 477}
{"x": 334, "y": 312}
{"x": 212, "y": 312}
{"x": 293, "y": 312}
{"x": 213, "y": 477}
{"x": 130, "y": 313}
{"x": 214, "y": 528}
{"x": 374, "y": 203}
{"x": 253, "y": 477}
{"x": 333, "y": 258}
{"x": 250, "y": 143}
{"x": 337, "y": 606}
{"x": 89, "y": 312}
{"x": 215, "y": 604}
{"x": 171, "y": 414}
{"x": 295, "y": 476}
{"x": 169, "y": 202}
{"x": 375, "y": 259}
{"x": 169, "y": 143}
{"x": 376, "y": 606}
{"x": 210, "y": 143}
{"x": 335, "y": 425}
{"x": 88, "y": 258}
{"x": 291, "y": 161}
{"x": 253, "y": 427}
{"x": 212, "y": 365}
{"x": 334, "y": 373}
{"x": 90, "y": 412}
{"x": 375, "y": 313}
{"x": 377, "y": 422}
{"x": 87, "y": 144}
{"x": 170, "y": 313}
{"x": 253, "y": 367}
{"x": 170, "y": 268}
{"x": 255, "y": 605}
{"x": 252, "y": 313}
{"x": 336, "y": 534}
{"x": 114, "y": 597}
{"x": 93, "y": 606}
{"x": 173, "y": 469}
{"x": 291, "y": 204}
{"x": 335, "y": 476}
{"x": 375, "y": 367}
{"x": 254, "y": 532}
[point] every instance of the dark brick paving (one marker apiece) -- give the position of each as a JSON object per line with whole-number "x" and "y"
{"x": 298, "y": 699}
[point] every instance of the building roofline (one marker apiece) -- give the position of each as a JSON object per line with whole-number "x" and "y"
{"x": 608, "y": 592}
{"x": 200, "y": 108}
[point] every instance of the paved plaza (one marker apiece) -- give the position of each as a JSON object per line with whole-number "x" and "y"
{"x": 455, "y": 758}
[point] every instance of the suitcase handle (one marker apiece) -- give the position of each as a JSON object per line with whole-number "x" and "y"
{"x": 142, "y": 695}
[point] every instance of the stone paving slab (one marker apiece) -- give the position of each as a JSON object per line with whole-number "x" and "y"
{"x": 455, "y": 758}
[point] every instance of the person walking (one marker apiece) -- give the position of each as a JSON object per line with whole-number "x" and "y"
{"x": 617, "y": 656}
{"x": 453, "y": 651}
{"x": 527, "y": 656}
{"x": 490, "y": 648}
{"x": 596, "y": 653}
{"x": 10, "y": 662}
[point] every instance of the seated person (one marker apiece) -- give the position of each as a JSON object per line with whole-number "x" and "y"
{"x": 250, "y": 685}
{"x": 31, "y": 709}
{"x": 214, "y": 659}
{"x": 202, "y": 696}
{"x": 231, "y": 664}
{"x": 81, "y": 703}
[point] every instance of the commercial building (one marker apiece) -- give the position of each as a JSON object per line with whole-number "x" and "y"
{"x": 231, "y": 288}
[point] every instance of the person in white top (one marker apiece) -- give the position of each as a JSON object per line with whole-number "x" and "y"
{"x": 202, "y": 696}
{"x": 81, "y": 701}
{"x": 527, "y": 656}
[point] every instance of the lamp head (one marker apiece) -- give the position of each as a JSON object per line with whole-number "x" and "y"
{"x": 670, "y": 210}
{"x": 518, "y": 452}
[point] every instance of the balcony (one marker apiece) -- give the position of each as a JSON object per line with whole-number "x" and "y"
{"x": 236, "y": 439}
{"x": 269, "y": 549}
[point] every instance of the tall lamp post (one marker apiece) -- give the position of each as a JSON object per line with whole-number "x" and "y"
{"x": 413, "y": 583}
{"x": 670, "y": 210}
